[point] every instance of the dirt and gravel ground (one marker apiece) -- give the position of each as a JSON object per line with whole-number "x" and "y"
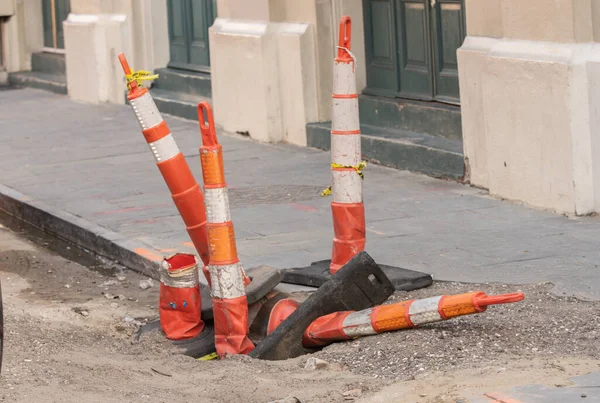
{"x": 69, "y": 338}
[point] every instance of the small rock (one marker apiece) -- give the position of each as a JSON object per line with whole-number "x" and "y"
{"x": 121, "y": 278}
{"x": 423, "y": 394}
{"x": 114, "y": 305}
{"x": 352, "y": 394}
{"x": 108, "y": 283}
{"x": 145, "y": 284}
{"x": 121, "y": 297}
{"x": 132, "y": 321}
{"x": 287, "y": 400}
{"x": 335, "y": 367}
{"x": 108, "y": 295}
{"x": 583, "y": 395}
{"x": 315, "y": 363}
{"x": 50, "y": 271}
{"x": 67, "y": 285}
{"x": 82, "y": 312}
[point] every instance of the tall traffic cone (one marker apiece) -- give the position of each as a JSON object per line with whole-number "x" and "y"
{"x": 186, "y": 193}
{"x": 347, "y": 166}
{"x": 402, "y": 315}
{"x": 346, "y": 161}
{"x": 227, "y": 276}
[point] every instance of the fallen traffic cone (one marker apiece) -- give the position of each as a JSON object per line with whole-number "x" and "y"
{"x": 402, "y": 315}
{"x": 185, "y": 191}
{"x": 227, "y": 276}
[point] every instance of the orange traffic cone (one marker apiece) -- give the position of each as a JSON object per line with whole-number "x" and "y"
{"x": 186, "y": 193}
{"x": 346, "y": 162}
{"x": 402, "y": 315}
{"x": 180, "y": 305}
{"x": 227, "y": 276}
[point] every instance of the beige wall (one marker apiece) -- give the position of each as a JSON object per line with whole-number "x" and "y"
{"x": 299, "y": 36}
{"x": 23, "y": 35}
{"x": 304, "y": 55}
{"x": 528, "y": 81}
{"x": 97, "y": 30}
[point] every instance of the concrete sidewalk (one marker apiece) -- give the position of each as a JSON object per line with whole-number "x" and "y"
{"x": 85, "y": 172}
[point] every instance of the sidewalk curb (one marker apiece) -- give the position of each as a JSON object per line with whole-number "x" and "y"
{"x": 80, "y": 232}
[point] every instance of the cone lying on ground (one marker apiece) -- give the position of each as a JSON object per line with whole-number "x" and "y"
{"x": 346, "y": 162}
{"x": 402, "y": 315}
{"x": 348, "y": 325}
{"x": 227, "y": 276}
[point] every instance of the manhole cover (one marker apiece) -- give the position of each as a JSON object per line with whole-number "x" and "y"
{"x": 272, "y": 194}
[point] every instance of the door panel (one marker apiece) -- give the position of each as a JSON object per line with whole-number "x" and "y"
{"x": 54, "y": 12}
{"x": 62, "y": 9}
{"x": 382, "y": 58}
{"x": 411, "y": 47}
{"x": 413, "y": 37}
{"x": 177, "y": 30}
{"x": 189, "y": 21}
{"x": 47, "y": 23}
{"x": 202, "y": 18}
{"x": 449, "y": 34}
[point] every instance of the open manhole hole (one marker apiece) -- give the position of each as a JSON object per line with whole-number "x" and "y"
{"x": 272, "y": 194}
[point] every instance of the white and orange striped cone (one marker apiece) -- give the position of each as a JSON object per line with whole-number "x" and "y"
{"x": 346, "y": 162}
{"x": 185, "y": 191}
{"x": 227, "y": 276}
{"x": 348, "y": 325}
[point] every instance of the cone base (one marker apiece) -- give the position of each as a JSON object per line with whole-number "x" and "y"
{"x": 318, "y": 273}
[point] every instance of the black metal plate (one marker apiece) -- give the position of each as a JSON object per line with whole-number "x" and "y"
{"x": 360, "y": 284}
{"x": 317, "y": 274}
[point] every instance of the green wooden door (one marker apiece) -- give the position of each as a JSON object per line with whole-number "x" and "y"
{"x": 54, "y": 12}
{"x": 411, "y": 48}
{"x": 189, "y": 21}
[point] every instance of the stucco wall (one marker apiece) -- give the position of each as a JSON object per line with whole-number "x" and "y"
{"x": 528, "y": 80}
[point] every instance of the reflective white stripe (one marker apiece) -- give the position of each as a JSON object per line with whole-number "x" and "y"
{"x": 217, "y": 205}
{"x": 345, "y": 149}
{"x": 227, "y": 281}
{"x": 345, "y": 114}
{"x": 358, "y": 324}
{"x": 346, "y": 186}
{"x": 164, "y": 149}
{"x": 344, "y": 79}
{"x": 181, "y": 279}
{"x": 425, "y": 311}
{"x": 146, "y": 111}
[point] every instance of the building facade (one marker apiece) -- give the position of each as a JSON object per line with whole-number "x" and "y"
{"x": 498, "y": 93}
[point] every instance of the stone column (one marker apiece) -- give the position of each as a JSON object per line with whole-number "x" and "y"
{"x": 271, "y": 64}
{"x": 97, "y": 30}
{"x": 529, "y": 86}
{"x": 22, "y": 35}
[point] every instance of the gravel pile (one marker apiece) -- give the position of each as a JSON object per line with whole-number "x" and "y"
{"x": 541, "y": 325}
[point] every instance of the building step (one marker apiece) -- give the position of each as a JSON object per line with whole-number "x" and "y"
{"x": 56, "y": 83}
{"x": 431, "y": 118}
{"x": 401, "y": 149}
{"x": 184, "y": 82}
{"x": 46, "y": 62}
{"x": 177, "y": 104}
